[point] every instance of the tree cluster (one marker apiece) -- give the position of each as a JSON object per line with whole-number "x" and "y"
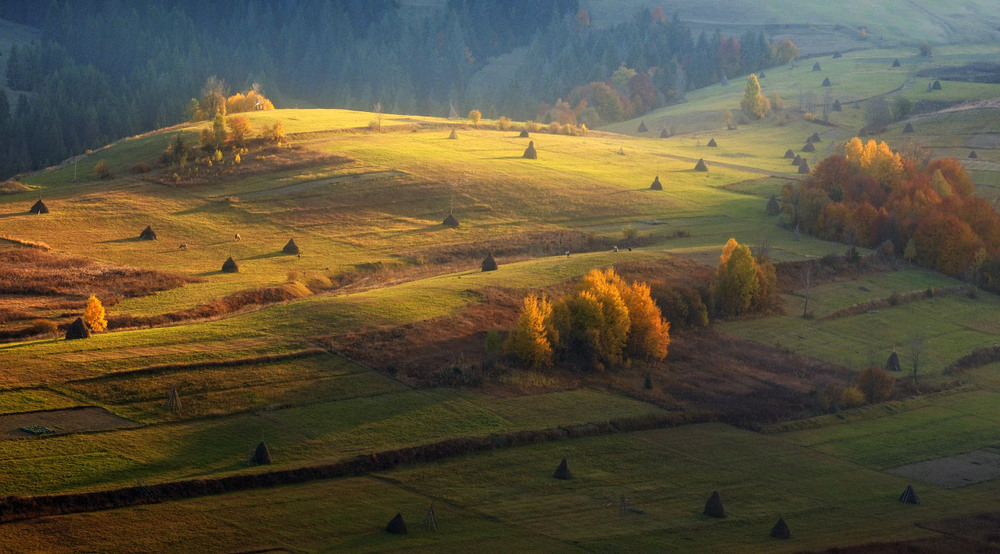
{"x": 872, "y": 196}
{"x": 659, "y": 62}
{"x": 603, "y": 324}
{"x": 743, "y": 283}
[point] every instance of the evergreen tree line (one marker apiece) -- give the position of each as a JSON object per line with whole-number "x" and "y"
{"x": 106, "y": 69}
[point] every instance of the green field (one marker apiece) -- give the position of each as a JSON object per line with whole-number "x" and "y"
{"x": 368, "y": 206}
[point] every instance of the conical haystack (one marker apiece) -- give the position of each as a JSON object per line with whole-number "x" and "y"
{"x": 724, "y": 81}
{"x": 524, "y": 133}
{"x": 642, "y": 127}
{"x": 936, "y": 85}
{"x": 809, "y": 147}
{"x": 781, "y": 530}
{"x": 563, "y": 472}
{"x": 908, "y": 128}
{"x": 77, "y": 330}
{"x": 453, "y": 135}
{"x": 489, "y": 264}
{"x": 148, "y": 233}
{"x": 173, "y": 401}
{"x": 700, "y": 166}
{"x": 261, "y": 455}
{"x": 815, "y": 138}
{"x": 973, "y": 155}
{"x": 804, "y": 167}
{"x": 290, "y": 247}
{"x": 450, "y": 221}
{"x": 712, "y": 143}
{"x": 773, "y": 207}
{"x": 761, "y": 76}
{"x": 39, "y": 207}
{"x": 656, "y": 184}
{"x": 797, "y": 160}
{"x": 790, "y": 154}
{"x": 816, "y": 67}
{"x": 664, "y": 134}
{"x": 892, "y": 364}
{"x": 895, "y": 63}
{"x": 396, "y": 525}
{"x": 909, "y": 496}
{"x": 713, "y": 508}
{"x": 229, "y": 266}
{"x": 837, "y": 107}
{"x": 826, "y": 82}
{"x": 530, "y": 152}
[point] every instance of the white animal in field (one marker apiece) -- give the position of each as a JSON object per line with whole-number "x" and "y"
{"x": 237, "y": 237}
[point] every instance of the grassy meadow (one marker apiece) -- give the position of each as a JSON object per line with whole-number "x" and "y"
{"x": 370, "y": 204}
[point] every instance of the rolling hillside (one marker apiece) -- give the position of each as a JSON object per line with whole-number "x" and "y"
{"x": 362, "y": 361}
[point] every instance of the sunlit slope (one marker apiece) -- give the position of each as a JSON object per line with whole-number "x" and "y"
{"x": 379, "y": 197}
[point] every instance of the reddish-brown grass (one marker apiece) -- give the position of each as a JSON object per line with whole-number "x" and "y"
{"x": 34, "y": 283}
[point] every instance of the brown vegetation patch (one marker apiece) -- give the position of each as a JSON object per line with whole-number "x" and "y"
{"x": 257, "y": 161}
{"x": 738, "y": 381}
{"x": 72, "y": 420}
{"x": 13, "y": 187}
{"x": 34, "y": 282}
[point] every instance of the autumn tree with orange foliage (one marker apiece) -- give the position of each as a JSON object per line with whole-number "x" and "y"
{"x": 603, "y": 324}
{"x": 240, "y": 129}
{"x": 252, "y": 100}
{"x": 872, "y": 196}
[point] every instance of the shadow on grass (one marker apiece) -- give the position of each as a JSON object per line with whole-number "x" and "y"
{"x": 276, "y": 254}
{"x": 11, "y": 346}
{"x": 114, "y": 241}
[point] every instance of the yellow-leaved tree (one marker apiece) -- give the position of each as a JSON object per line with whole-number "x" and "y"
{"x": 94, "y": 316}
{"x": 742, "y": 283}
{"x": 532, "y": 337}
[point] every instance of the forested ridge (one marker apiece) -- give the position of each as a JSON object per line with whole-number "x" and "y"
{"x": 107, "y": 69}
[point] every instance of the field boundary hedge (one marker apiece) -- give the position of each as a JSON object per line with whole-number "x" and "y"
{"x": 18, "y": 508}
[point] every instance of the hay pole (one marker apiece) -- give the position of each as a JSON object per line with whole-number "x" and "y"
{"x": 430, "y": 520}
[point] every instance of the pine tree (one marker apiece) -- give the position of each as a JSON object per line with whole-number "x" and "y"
{"x": 94, "y": 316}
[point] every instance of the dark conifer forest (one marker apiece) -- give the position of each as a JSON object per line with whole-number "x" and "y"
{"x": 106, "y": 69}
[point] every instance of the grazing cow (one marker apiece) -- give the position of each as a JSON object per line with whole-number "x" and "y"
{"x": 183, "y": 246}
{"x": 237, "y": 237}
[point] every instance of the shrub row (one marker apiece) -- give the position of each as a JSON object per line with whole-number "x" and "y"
{"x": 170, "y": 368}
{"x": 16, "y": 508}
{"x": 893, "y": 300}
{"x": 974, "y": 359}
{"x": 214, "y": 308}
